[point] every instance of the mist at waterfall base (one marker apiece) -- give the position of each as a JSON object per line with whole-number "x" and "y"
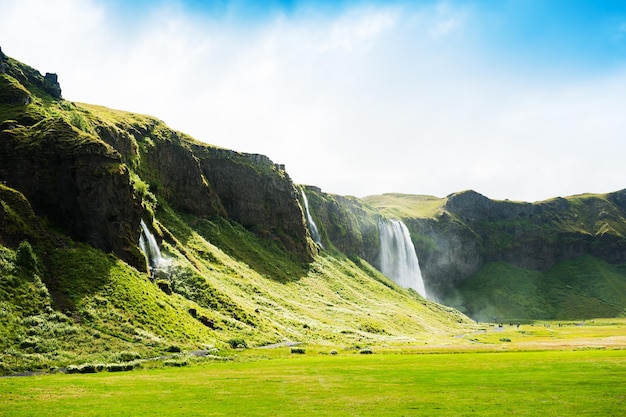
{"x": 398, "y": 259}
{"x": 315, "y": 234}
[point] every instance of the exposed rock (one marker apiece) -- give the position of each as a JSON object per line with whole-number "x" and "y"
{"x": 76, "y": 181}
{"x": 51, "y": 85}
{"x": 448, "y": 251}
{"x": 258, "y": 194}
{"x": 346, "y": 224}
{"x": 3, "y": 65}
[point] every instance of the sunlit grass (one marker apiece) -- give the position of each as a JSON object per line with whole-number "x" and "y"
{"x": 550, "y": 383}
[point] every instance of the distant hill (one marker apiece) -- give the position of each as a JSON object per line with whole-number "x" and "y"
{"x": 563, "y": 258}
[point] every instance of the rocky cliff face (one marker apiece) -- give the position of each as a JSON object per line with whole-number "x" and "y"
{"x": 447, "y": 250}
{"x": 92, "y": 170}
{"x": 346, "y": 224}
{"x": 74, "y": 180}
{"x": 258, "y": 194}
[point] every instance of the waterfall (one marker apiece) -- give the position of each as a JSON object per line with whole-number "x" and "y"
{"x": 398, "y": 259}
{"x": 149, "y": 246}
{"x": 315, "y": 234}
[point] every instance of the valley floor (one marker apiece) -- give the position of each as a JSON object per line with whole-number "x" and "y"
{"x": 539, "y": 369}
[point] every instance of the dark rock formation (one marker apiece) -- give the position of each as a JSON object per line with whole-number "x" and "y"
{"x": 206, "y": 181}
{"x": 51, "y": 85}
{"x": 28, "y": 78}
{"x": 258, "y": 194}
{"x": 448, "y": 251}
{"x": 346, "y": 224}
{"x": 76, "y": 181}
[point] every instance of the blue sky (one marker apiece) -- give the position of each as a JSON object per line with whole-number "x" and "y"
{"x": 514, "y": 99}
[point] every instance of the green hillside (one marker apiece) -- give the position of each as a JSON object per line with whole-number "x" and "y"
{"x": 582, "y": 288}
{"x": 238, "y": 269}
{"x": 563, "y": 258}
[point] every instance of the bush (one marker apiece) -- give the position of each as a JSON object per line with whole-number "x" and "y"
{"x": 71, "y": 369}
{"x": 237, "y": 344}
{"x": 164, "y": 286}
{"x": 25, "y": 258}
{"x": 366, "y": 351}
{"x": 505, "y": 339}
{"x": 173, "y": 349}
{"x": 121, "y": 367}
{"x": 176, "y": 362}
{"x": 298, "y": 350}
{"x": 333, "y": 352}
{"x": 127, "y": 356}
{"x": 87, "y": 368}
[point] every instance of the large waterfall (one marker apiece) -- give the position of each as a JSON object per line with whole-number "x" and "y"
{"x": 315, "y": 234}
{"x": 398, "y": 259}
{"x": 149, "y": 246}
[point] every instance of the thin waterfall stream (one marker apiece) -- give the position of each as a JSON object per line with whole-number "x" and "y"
{"x": 315, "y": 234}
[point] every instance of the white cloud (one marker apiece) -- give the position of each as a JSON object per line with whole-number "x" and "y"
{"x": 363, "y": 101}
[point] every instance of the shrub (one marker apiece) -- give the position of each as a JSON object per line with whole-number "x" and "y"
{"x": 366, "y": 351}
{"x": 237, "y": 344}
{"x": 298, "y": 350}
{"x": 164, "y": 286}
{"x": 87, "y": 368}
{"x": 25, "y": 258}
{"x": 505, "y": 339}
{"x": 173, "y": 349}
{"x": 333, "y": 352}
{"x": 71, "y": 369}
{"x": 176, "y": 362}
{"x": 121, "y": 367}
{"x": 127, "y": 356}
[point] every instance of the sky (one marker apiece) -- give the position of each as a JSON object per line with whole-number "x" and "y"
{"x": 515, "y": 99}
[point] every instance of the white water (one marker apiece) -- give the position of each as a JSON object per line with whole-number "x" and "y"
{"x": 398, "y": 259}
{"x": 315, "y": 234}
{"x": 149, "y": 246}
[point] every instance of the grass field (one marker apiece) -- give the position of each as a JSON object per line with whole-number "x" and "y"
{"x": 581, "y": 372}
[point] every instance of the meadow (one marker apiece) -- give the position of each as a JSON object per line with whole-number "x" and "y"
{"x": 554, "y": 371}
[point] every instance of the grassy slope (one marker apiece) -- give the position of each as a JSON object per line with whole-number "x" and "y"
{"x": 108, "y": 307}
{"x": 332, "y": 300}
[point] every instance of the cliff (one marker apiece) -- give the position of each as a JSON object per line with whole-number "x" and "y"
{"x": 96, "y": 172}
{"x": 460, "y": 238}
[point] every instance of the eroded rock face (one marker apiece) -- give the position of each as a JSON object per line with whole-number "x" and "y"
{"x": 77, "y": 182}
{"x": 258, "y": 194}
{"x": 51, "y": 85}
{"x": 179, "y": 178}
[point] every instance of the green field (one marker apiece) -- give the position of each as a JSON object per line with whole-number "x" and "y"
{"x": 569, "y": 372}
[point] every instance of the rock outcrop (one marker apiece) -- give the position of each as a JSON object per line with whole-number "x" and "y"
{"x": 76, "y": 181}
{"x": 258, "y": 194}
